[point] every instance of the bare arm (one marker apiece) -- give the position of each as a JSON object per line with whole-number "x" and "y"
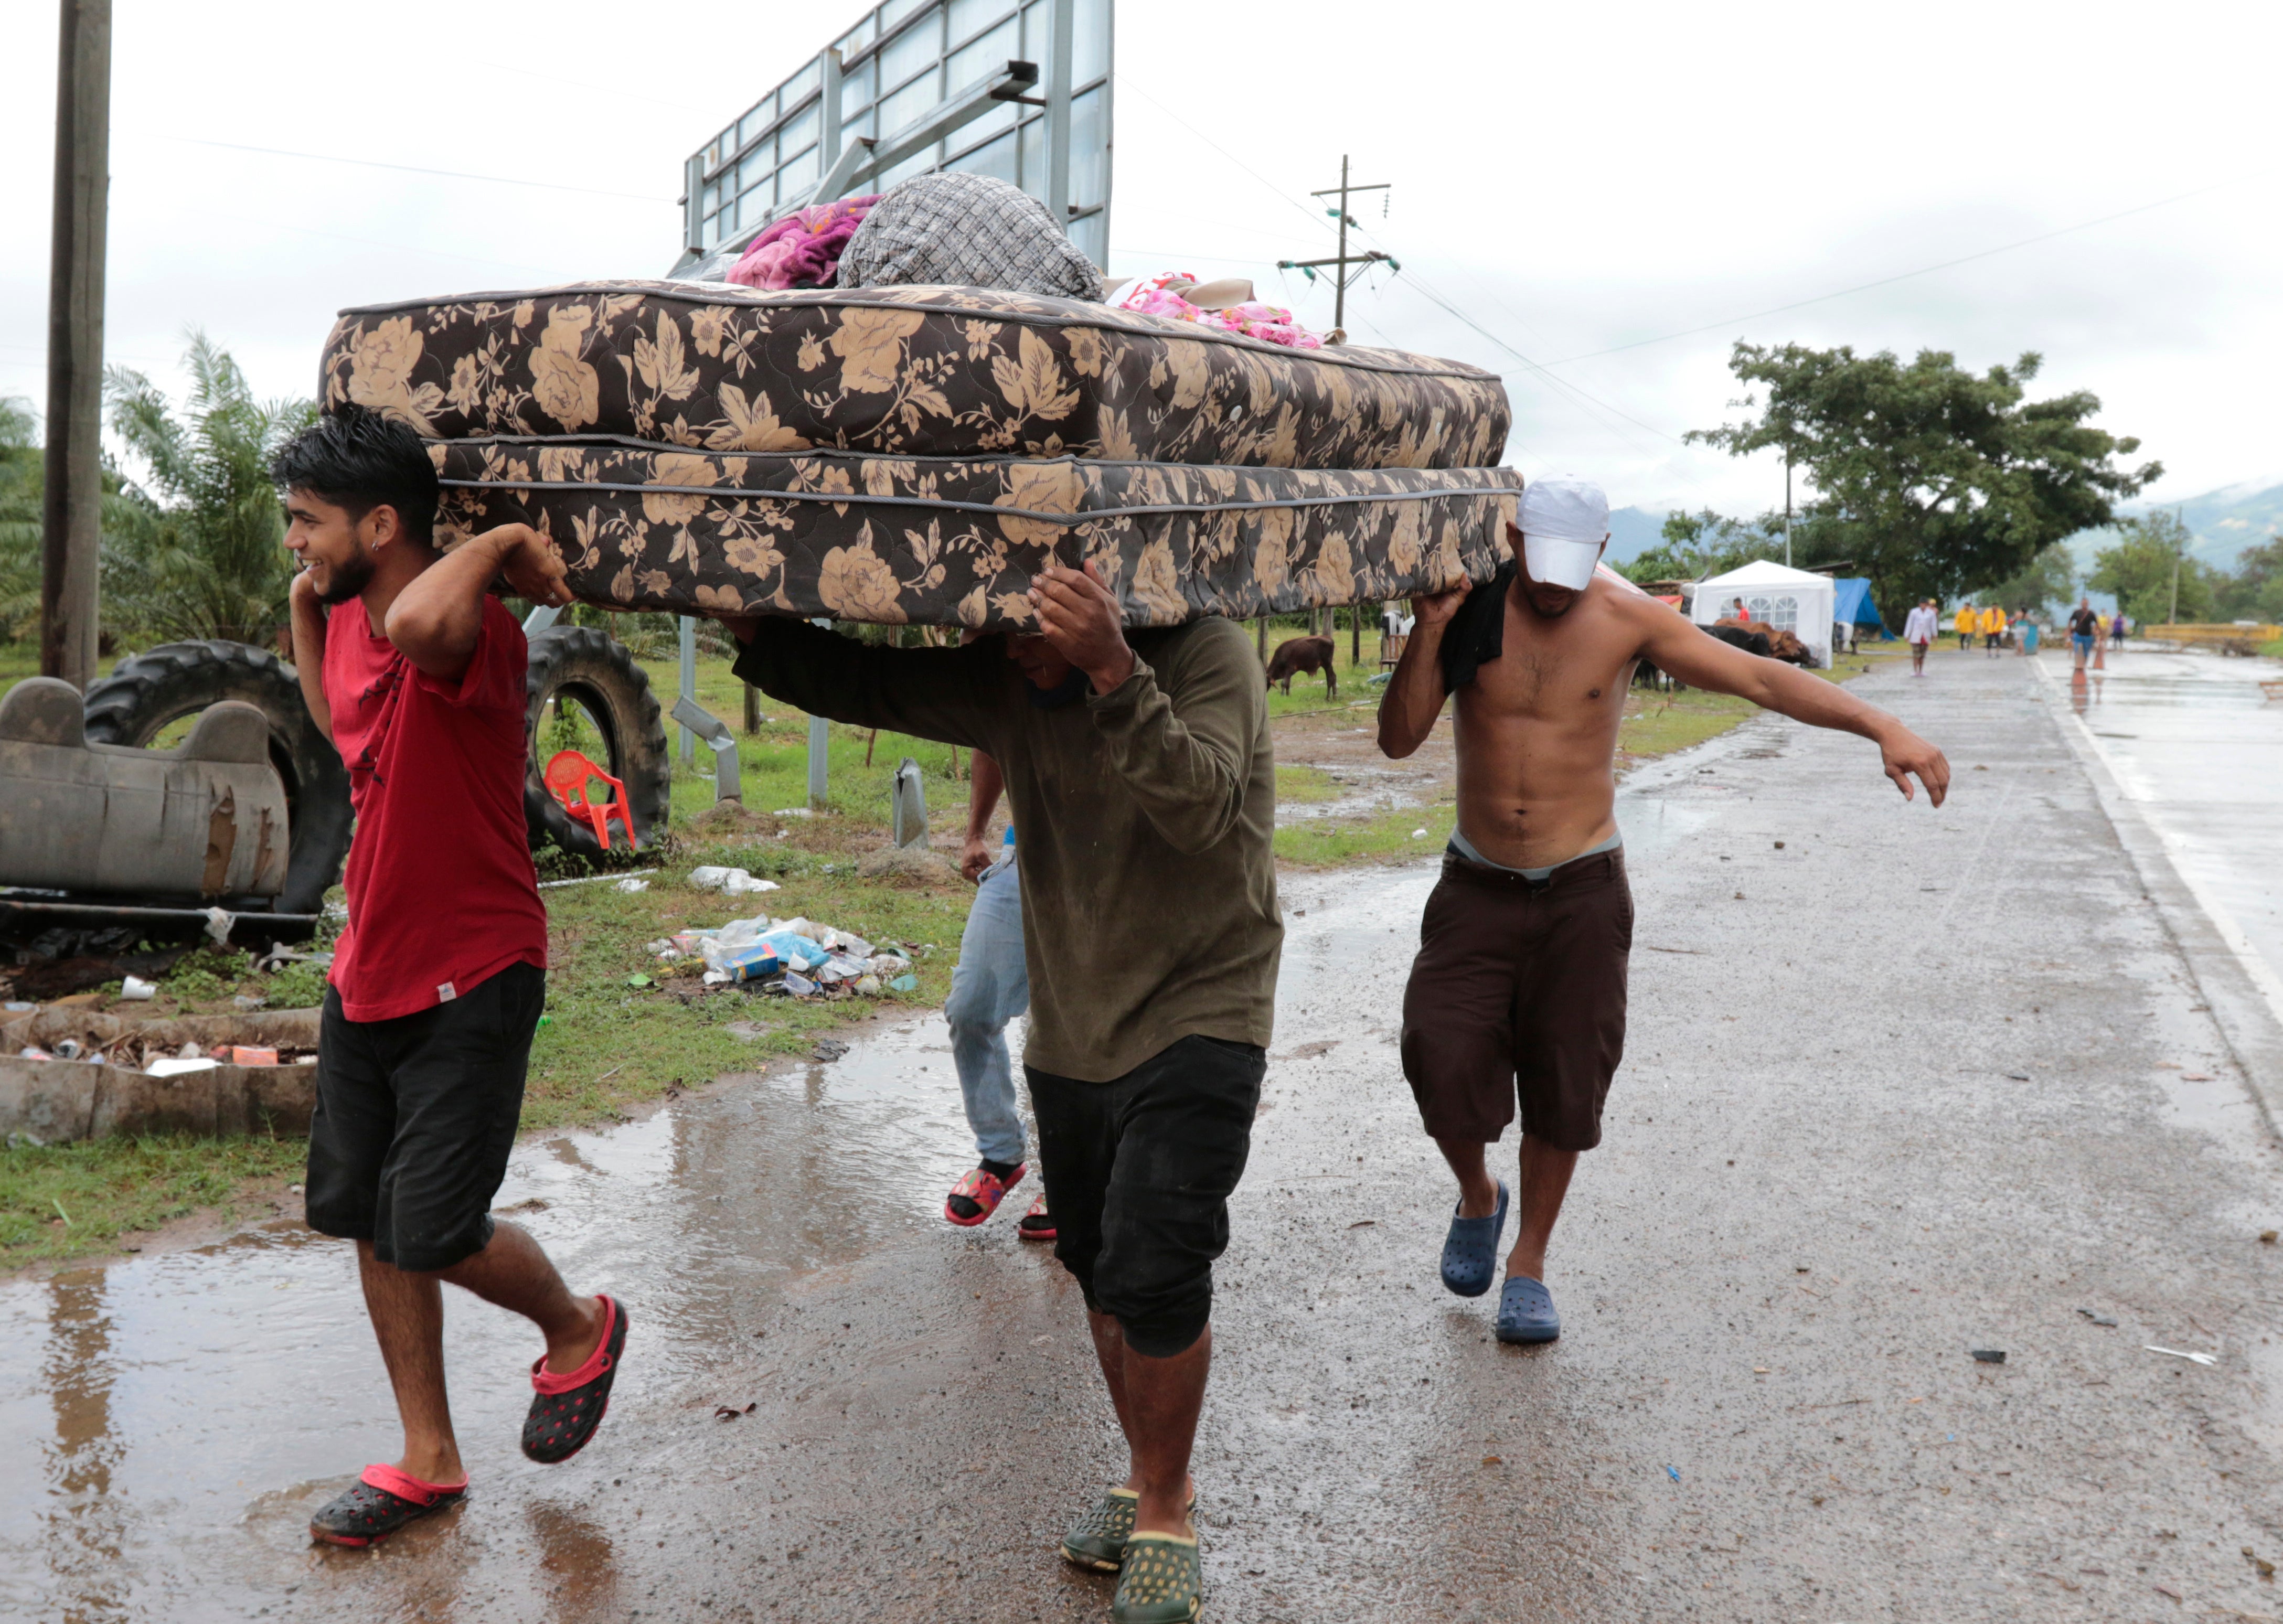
{"x": 308, "y": 619}
{"x": 985, "y": 782}
{"x": 947, "y": 694}
{"x": 1414, "y": 695}
{"x": 1687, "y": 654}
{"x": 435, "y": 620}
{"x": 1182, "y": 746}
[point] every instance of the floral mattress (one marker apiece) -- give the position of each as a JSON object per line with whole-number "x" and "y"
{"x": 906, "y": 453}
{"x": 955, "y": 541}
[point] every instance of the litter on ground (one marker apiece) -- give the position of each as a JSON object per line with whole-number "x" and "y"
{"x": 731, "y": 881}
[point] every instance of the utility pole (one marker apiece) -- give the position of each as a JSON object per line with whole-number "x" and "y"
{"x": 1787, "y": 502}
{"x": 71, "y": 516}
{"x": 1340, "y": 263}
{"x": 2178, "y": 546}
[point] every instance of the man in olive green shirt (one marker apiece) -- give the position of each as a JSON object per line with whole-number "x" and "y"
{"x": 1138, "y": 767}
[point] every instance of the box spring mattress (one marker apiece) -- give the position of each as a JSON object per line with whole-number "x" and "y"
{"x": 907, "y": 371}
{"x": 954, "y": 541}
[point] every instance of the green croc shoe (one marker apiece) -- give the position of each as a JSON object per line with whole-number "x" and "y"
{"x": 1160, "y": 1583}
{"x": 1097, "y": 1539}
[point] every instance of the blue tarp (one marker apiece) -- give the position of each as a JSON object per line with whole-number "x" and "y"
{"x": 1850, "y": 603}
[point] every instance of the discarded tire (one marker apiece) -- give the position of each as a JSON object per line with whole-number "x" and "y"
{"x": 584, "y": 691}
{"x": 146, "y": 691}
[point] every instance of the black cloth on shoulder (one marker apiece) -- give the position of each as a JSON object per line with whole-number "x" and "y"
{"x": 1477, "y": 634}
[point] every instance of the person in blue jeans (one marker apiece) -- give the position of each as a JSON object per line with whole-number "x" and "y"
{"x": 990, "y": 986}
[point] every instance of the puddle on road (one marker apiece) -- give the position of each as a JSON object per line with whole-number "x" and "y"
{"x": 176, "y": 1417}
{"x": 183, "y": 1413}
{"x": 2194, "y": 742}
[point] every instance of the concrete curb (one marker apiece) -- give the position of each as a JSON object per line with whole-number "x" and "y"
{"x": 2243, "y": 993}
{"x": 62, "y": 1102}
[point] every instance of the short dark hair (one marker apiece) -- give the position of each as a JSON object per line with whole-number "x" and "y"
{"x": 360, "y": 460}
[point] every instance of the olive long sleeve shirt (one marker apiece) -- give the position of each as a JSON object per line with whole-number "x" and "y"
{"x": 1149, "y": 904}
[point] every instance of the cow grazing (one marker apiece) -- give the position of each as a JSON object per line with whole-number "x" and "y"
{"x": 1301, "y": 653}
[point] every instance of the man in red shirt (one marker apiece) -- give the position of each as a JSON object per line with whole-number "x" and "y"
{"x": 416, "y": 674}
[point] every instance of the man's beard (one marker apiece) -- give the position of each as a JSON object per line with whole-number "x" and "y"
{"x": 350, "y": 578}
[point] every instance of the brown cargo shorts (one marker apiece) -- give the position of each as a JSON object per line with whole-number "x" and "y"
{"x": 1519, "y": 992}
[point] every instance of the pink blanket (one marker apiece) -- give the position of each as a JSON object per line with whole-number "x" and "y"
{"x": 1161, "y": 295}
{"x": 803, "y": 249}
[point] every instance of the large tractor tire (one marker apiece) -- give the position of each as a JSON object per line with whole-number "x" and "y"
{"x": 146, "y": 692}
{"x": 584, "y": 692}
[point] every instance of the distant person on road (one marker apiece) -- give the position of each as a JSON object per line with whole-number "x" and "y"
{"x": 1139, "y": 769}
{"x": 1918, "y": 630}
{"x": 416, "y": 673}
{"x": 990, "y": 986}
{"x": 2116, "y": 628}
{"x": 1993, "y": 630}
{"x": 1519, "y": 987}
{"x": 2085, "y": 625}
{"x": 2027, "y": 627}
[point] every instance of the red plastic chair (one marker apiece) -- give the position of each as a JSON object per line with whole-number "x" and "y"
{"x": 567, "y": 778}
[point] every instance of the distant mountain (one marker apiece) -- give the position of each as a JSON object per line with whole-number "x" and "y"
{"x": 1633, "y": 532}
{"x": 2223, "y": 522}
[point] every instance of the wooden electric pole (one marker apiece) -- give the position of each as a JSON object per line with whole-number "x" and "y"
{"x": 71, "y": 518}
{"x": 1344, "y": 259}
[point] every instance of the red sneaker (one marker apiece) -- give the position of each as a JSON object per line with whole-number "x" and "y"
{"x": 981, "y": 1191}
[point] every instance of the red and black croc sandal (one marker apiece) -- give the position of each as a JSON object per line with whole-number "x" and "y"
{"x": 380, "y": 1502}
{"x": 565, "y": 1410}
{"x": 1038, "y": 1223}
{"x": 984, "y": 1190}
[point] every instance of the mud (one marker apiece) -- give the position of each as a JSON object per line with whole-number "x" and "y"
{"x": 1929, "y": 1093}
{"x": 1345, "y": 747}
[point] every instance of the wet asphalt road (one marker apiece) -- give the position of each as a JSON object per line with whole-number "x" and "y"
{"x": 1909, "y": 1084}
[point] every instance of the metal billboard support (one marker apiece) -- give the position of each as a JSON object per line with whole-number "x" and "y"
{"x": 872, "y": 156}
{"x": 1058, "y": 112}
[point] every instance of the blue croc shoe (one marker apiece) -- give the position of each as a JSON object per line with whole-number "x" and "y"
{"x": 1526, "y": 1312}
{"x": 1470, "y": 1250}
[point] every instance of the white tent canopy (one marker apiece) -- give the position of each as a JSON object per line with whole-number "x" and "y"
{"x": 1793, "y": 600}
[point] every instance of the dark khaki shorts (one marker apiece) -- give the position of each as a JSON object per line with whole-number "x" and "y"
{"x": 1519, "y": 992}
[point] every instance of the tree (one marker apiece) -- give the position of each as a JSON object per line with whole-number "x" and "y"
{"x": 22, "y": 482}
{"x": 212, "y": 563}
{"x": 2047, "y": 581}
{"x": 127, "y": 513}
{"x": 1934, "y": 482}
{"x": 1693, "y": 546}
{"x": 2139, "y": 568}
{"x": 2253, "y": 590}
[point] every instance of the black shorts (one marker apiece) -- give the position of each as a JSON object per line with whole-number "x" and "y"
{"x": 416, "y": 1117}
{"x": 1139, "y": 1171}
{"x": 1518, "y": 992}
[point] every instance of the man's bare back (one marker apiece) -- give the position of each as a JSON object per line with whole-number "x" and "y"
{"x": 1537, "y": 728}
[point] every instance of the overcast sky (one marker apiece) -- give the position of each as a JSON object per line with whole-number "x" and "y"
{"x": 1572, "y": 179}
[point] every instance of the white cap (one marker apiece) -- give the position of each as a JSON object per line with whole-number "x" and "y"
{"x": 1561, "y": 509}
{"x": 1564, "y": 523}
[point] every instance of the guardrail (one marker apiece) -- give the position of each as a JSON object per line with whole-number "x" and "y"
{"x": 2212, "y": 634}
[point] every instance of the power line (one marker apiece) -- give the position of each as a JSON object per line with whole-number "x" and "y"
{"x": 456, "y": 174}
{"x": 1310, "y": 215}
{"x": 1428, "y": 290}
{"x": 1924, "y": 270}
{"x": 1560, "y": 384}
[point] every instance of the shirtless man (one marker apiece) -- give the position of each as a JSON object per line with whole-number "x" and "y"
{"x": 1519, "y": 987}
